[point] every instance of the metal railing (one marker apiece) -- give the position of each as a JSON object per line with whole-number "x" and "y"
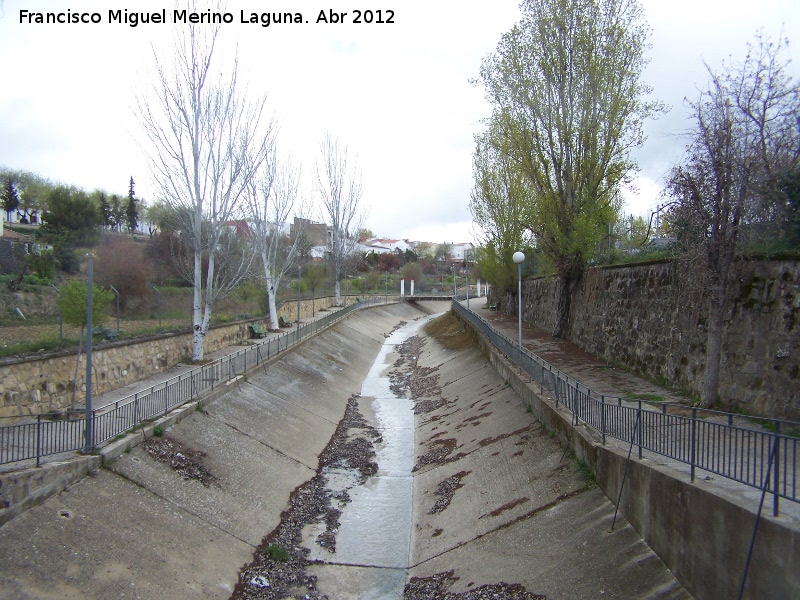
{"x": 756, "y": 452}
{"x": 52, "y": 434}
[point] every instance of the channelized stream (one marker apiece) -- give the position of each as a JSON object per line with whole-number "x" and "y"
{"x": 374, "y": 536}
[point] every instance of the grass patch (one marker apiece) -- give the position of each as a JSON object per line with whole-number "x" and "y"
{"x": 450, "y": 332}
{"x": 158, "y": 431}
{"x": 277, "y": 553}
{"x": 648, "y": 397}
{"x": 50, "y": 342}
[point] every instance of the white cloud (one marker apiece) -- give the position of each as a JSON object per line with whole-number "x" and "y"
{"x": 398, "y": 95}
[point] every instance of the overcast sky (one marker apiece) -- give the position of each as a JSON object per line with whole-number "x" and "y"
{"x": 397, "y": 94}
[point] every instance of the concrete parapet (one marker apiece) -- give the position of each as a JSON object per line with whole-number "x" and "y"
{"x": 22, "y": 490}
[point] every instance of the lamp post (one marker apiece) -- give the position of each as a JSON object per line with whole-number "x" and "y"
{"x": 89, "y": 434}
{"x": 466, "y": 260}
{"x": 299, "y": 275}
{"x": 518, "y": 258}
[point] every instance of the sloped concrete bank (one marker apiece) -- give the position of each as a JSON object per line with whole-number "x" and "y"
{"x": 498, "y": 506}
{"x": 139, "y": 529}
{"x": 700, "y": 531}
{"x": 495, "y": 505}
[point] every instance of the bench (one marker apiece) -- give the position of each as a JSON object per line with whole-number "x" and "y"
{"x": 284, "y": 322}
{"x": 256, "y": 331}
{"x": 493, "y": 307}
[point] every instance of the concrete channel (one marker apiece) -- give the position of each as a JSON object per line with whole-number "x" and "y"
{"x": 470, "y": 491}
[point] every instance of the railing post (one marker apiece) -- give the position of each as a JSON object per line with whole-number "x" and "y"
{"x": 694, "y": 440}
{"x": 639, "y": 430}
{"x": 166, "y": 397}
{"x": 135, "y": 410}
{"x": 603, "y": 417}
{"x": 776, "y": 488}
{"x": 38, "y": 439}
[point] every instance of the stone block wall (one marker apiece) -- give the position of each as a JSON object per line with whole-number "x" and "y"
{"x": 649, "y": 319}
{"x": 42, "y": 384}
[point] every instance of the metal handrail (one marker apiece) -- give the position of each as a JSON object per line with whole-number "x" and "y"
{"x": 722, "y": 443}
{"x": 51, "y": 434}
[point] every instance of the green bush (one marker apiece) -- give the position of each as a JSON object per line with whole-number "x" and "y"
{"x": 42, "y": 264}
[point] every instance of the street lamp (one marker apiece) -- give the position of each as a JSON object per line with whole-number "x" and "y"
{"x": 299, "y": 276}
{"x": 466, "y": 260}
{"x": 89, "y": 433}
{"x": 519, "y": 258}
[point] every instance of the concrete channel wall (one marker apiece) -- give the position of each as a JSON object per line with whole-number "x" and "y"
{"x": 700, "y": 532}
{"x": 138, "y": 527}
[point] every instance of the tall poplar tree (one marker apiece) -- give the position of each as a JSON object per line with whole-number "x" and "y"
{"x": 566, "y": 85}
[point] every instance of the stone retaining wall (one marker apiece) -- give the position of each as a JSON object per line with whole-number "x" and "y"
{"x": 41, "y": 384}
{"x": 649, "y": 319}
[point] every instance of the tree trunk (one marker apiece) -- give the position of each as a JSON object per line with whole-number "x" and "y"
{"x": 713, "y": 350}
{"x": 273, "y": 311}
{"x": 198, "y": 335}
{"x": 562, "y": 309}
{"x": 337, "y": 287}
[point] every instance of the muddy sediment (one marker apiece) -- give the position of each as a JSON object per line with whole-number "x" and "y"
{"x": 279, "y": 566}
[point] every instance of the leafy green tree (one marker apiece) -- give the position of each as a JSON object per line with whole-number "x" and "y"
{"x": 72, "y": 304}
{"x": 442, "y": 251}
{"x": 33, "y": 190}
{"x": 499, "y": 203}
{"x": 118, "y": 207}
{"x": 101, "y": 199}
{"x": 72, "y": 219}
{"x": 10, "y": 196}
{"x": 132, "y": 209}
{"x": 41, "y": 263}
{"x": 566, "y": 86}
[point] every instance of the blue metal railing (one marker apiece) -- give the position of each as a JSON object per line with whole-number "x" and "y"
{"x": 49, "y": 434}
{"x": 725, "y": 444}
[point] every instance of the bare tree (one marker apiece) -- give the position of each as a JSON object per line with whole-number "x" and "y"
{"x": 746, "y": 139}
{"x": 205, "y": 144}
{"x": 272, "y": 197}
{"x": 340, "y": 191}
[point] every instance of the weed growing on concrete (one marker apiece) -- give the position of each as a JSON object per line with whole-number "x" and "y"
{"x": 277, "y": 553}
{"x": 588, "y": 474}
{"x": 128, "y": 449}
{"x": 158, "y": 431}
